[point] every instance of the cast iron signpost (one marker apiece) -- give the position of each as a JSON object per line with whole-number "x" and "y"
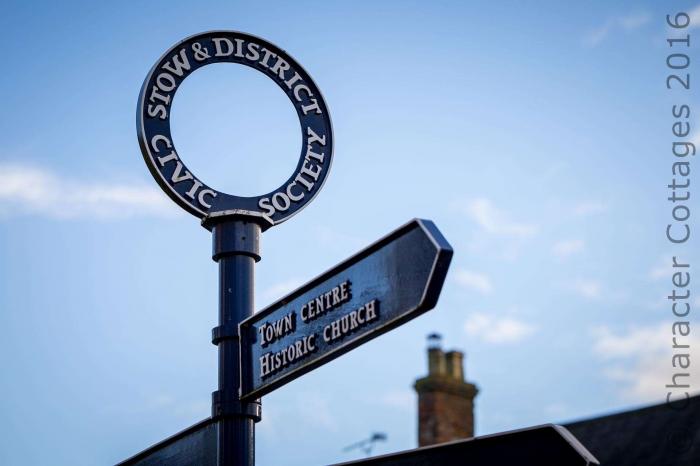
{"x": 390, "y": 282}
{"x": 383, "y": 286}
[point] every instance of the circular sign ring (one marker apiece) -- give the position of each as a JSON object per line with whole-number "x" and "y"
{"x": 163, "y": 161}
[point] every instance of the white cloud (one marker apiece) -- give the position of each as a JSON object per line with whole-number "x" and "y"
{"x": 681, "y": 33}
{"x": 639, "y": 360}
{"x": 694, "y": 19}
{"x": 474, "y": 280}
{"x": 403, "y": 400}
{"x": 31, "y": 190}
{"x": 662, "y": 269}
{"x": 309, "y": 407}
{"x": 634, "y": 21}
{"x": 649, "y": 339}
{"x": 598, "y": 35}
{"x": 590, "y": 289}
{"x": 492, "y": 220}
{"x": 695, "y": 136}
{"x": 566, "y": 248}
{"x": 497, "y": 330}
{"x": 330, "y": 235}
{"x": 280, "y": 289}
{"x": 557, "y": 410}
{"x": 316, "y": 409}
{"x": 656, "y": 304}
{"x": 586, "y": 208}
{"x": 185, "y": 409}
{"x": 627, "y": 23}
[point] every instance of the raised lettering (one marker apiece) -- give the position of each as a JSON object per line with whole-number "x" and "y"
{"x": 181, "y": 62}
{"x": 219, "y": 51}
{"x": 206, "y": 192}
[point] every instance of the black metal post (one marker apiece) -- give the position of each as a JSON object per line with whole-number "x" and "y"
{"x": 236, "y": 247}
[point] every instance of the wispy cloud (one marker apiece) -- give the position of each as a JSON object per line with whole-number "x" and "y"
{"x": 694, "y": 23}
{"x": 403, "y": 400}
{"x": 31, "y": 190}
{"x": 186, "y": 409}
{"x": 556, "y": 410}
{"x": 586, "y": 208}
{"x": 565, "y": 248}
{"x": 597, "y": 35}
{"x": 639, "y": 359}
{"x": 280, "y": 289}
{"x": 662, "y": 268}
{"x": 331, "y": 236}
{"x": 695, "y": 137}
{"x": 474, "y": 280}
{"x": 627, "y": 23}
{"x": 309, "y": 407}
{"x": 497, "y": 330}
{"x": 316, "y": 409}
{"x": 495, "y": 221}
{"x": 694, "y": 17}
{"x": 634, "y": 21}
{"x": 587, "y": 288}
{"x": 610, "y": 345}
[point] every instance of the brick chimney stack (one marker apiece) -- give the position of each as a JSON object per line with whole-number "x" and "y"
{"x": 445, "y": 399}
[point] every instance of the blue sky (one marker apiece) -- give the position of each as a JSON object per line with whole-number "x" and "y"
{"x": 536, "y": 137}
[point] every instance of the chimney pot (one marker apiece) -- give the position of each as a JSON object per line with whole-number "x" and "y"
{"x": 455, "y": 368}
{"x": 436, "y": 362}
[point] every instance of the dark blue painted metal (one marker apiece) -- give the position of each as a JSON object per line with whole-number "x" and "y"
{"x": 157, "y": 144}
{"x": 236, "y": 243}
{"x": 535, "y": 446}
{"x": 194, "y": 445}
{"x": 401, "y": 273}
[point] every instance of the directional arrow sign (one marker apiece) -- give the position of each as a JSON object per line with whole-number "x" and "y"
{"x": 389, "y": 283}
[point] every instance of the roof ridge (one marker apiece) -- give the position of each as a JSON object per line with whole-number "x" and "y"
{"x": 645, "y": 407}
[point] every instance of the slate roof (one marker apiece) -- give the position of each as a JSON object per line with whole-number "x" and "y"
{"x": 656, "y": 435}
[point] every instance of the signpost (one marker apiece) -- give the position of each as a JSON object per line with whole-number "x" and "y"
{"x": 387, "y": 284}
{"x": 168, "y": 169}
{"x": 392, "y": 281}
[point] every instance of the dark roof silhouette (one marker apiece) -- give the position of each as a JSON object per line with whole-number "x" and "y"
{"x": 658, "y": 435}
